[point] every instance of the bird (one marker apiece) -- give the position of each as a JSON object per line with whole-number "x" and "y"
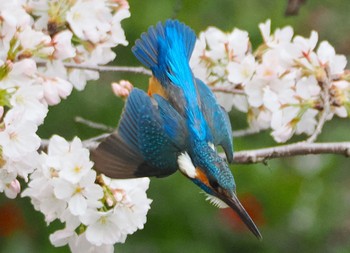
{"x": 176, "y": 125}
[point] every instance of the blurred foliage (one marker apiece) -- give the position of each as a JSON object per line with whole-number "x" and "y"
{"x": 301, "y": 204}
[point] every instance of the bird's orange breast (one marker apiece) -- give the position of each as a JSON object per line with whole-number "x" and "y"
{"x": 156, "y": 88}
{"x": 201, "y": 176}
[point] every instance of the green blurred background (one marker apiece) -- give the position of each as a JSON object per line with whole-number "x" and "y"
{"x": 301, "y": 204}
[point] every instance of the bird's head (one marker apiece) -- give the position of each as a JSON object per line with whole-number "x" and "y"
{"x": 212, "y": 174}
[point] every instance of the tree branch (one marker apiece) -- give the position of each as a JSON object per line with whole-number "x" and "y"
{"x": 137, "y": 70}
{"x": 260, "y": 155}
{"x": 295, "y": 149}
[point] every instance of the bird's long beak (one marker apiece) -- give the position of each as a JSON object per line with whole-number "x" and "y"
{"x": 236, "y": 205}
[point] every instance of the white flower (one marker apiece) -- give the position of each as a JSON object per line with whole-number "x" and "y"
{"x": 198, "y": 66}
{"x": 90, "y": 20}
{"x": 101, "y": 55}
{"x": 31, "y": 39}
{"x": 103, "y": 227}
{"x": 227, "y": 101}
{"x": 271, "y": 100}
{"x": 81, "y": 195}
{"x": 28, "y": 101}
{"x": 255, "y": 91}
{"x": 79, "y": 244}
{"x": 24, "y": 166}
{"x": 22, "y": 73}
{"x": 63, "y": 45}
{"x": 61, "y": 148}
{"x": 39, "y": 9}
{"x": 56, "y": 89}
{"x": 19, "y": 136}
{"x": 281, "y": 37}
{"x": 13, "y": 10}
{"x": 61, "y": 237}
{"x": 284, "y": 116}
{"x": 327, "y": 57}
{"x": 263, "y": 119}
{"x": 265, "y": 29}
{"x": 40, "y": 190}
{"x": 215, "y": 40}
{"x": 306, "y": 45}
{"x": 307, "y": 88}
{"x": 54, "y": 69}
{"x": 76, "y": 167}
{"x": 281, "y": 123}
{"x": 132, "y": 203}
{"x": 117, "y": 32}
{"x": 283, "y": 133}
{"x": 52, "y": 191}
{"x": 240, "y": 73}
{"x": 307, "y": 122}
{"x": 79, "y": 77}
{"x": 238, "y": 42}
{"x": 53, "y": 78}
{"x": 272, "y": 66}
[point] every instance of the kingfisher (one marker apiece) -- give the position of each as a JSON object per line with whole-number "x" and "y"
{"x": 176, "y": 125}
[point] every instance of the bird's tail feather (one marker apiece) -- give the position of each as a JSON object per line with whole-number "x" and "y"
{"x": 147, "y": 48}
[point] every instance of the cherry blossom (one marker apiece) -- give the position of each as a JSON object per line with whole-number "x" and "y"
{"x": 65, "y": 187}
{"x": 283, "y": 81}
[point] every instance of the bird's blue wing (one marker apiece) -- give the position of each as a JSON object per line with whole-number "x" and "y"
{"x": 217, "y": 119}
{"x": 149, "y": 137}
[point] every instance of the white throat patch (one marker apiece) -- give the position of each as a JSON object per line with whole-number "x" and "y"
{"x": 186, "y": 166}
{"x": 211, "y": 145}
{"x": 215, "y": 201}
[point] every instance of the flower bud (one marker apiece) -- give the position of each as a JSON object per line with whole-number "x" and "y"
{"x": 122, "y": 89}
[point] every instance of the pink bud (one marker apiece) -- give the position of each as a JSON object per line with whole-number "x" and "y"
{"x": 122, "y": 4}
{"x": 13, "y": 189}
{"x": 109, "y": 201}
{"x": 1, "y": 112}
{"x": 122, "y": 89}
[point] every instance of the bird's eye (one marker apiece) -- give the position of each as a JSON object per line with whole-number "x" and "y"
{"x": 213, "y": 183}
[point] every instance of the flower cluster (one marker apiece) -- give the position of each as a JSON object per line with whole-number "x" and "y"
{"x": 97, "y": 212}
{"x": 286, "y": 84}
{"x": 37, "y": 39}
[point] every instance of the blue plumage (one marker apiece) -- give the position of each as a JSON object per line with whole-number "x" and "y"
{"x": 166, "y": 50}
{"x": 217, "y": 118}
{"x": 175, "y": 128}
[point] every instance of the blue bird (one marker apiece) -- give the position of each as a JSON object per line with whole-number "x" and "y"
{"x": 176, "y": 126}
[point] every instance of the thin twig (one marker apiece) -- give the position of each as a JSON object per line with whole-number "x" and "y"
{"x": 228, "y": 90}
{"x": 93, "y": 142}
{"x": 137, "y": 70}
{"x": 94, "y": 125}
{"x": 245, "y": 132}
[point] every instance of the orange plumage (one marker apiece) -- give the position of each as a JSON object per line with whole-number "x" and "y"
{"x": 156, "y": 88}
